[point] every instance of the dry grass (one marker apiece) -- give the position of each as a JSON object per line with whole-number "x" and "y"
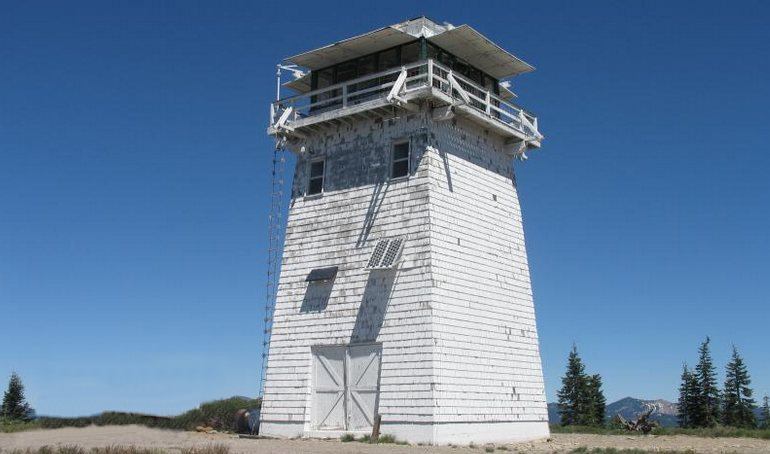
{"x": 214, "y": 448}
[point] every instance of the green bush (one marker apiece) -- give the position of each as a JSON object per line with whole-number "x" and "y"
{"x": 218, "y": 414}
{"x": 347, "y": 438}
{"x": 13, "y": 425}
{"x": 56, "y": 423}
{"x": 388, "y": 438}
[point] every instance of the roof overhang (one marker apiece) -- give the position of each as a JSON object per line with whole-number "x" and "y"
{"x": 351, "y": 48}
{"x": 475, "y": 48}
{"x": 463, "y": 41}
{"x": 300, "y": 84}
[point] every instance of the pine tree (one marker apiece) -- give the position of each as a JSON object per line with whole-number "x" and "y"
{"x": 706, "y": 412}
{"x": 15, "y": 405}
{"x": 738, "y": 410}
{"x": 597, "y": 402}
{"x": 688, "y": 394}
{"x": 765, "y": 414}
{"x": 572, "y": 395}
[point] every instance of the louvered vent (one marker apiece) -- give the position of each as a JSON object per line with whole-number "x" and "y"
{"x": 386, "y": 253}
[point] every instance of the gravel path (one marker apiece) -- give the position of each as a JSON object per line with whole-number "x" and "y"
{"x": 173, "y": 441}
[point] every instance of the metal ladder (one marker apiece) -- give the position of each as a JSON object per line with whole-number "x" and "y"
{"x": 274, "y": 252}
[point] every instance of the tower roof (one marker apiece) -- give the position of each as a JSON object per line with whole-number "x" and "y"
{"x": 462, "y": 41}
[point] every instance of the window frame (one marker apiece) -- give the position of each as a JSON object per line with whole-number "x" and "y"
{"x": 310, "y": 177}
{"x": 393, "y": 161}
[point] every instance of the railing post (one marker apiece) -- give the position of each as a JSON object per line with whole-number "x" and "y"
{"x": 488, "y": 104}
{"x": 430, "y": 73}
{"x": 344, "y": 96}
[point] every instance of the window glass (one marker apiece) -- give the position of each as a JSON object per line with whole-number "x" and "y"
{"x": 462, "y": 67}
{"x": 410, "y": 53}
{"x": 476, "y": 75}
{"x": 400, "y": 160}
{"x": 316, "y": 177}
{"x": 489, "y": 83}
{"x": 367, "y": 65}
{"x": 325, "y": 77}
{"x": 388, "y": 59}
{"x": 445, "y": 59}
{"x": 432, "y": 50}
{"x": 346, "y": 71}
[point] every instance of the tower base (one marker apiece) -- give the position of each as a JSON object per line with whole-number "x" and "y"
{"x": 436, "y": 434}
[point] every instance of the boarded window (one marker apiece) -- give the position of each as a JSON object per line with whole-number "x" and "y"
{"x": 400, "y": 160}
{"x": 322, "y": 274}
{"x": 316, "y": 179}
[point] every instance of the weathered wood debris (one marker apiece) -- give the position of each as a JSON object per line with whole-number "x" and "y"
{"x": 642, "y": 424}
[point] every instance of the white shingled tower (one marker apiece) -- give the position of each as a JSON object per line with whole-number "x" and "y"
{"x": 404, "y": 290}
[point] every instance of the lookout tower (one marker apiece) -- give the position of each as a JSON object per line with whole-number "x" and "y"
{"x": 404, "y": 287}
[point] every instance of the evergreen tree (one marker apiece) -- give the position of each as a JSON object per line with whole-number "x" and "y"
{"x": 738, "y": 410}
{"x": 15, "y": 405}
{"x": 572, "y": 397}
{"x": 596, "y": 400}
{"x": 765, "y": 414}
{"x": 688, "y": 395}
{"x": 706, "y": 412}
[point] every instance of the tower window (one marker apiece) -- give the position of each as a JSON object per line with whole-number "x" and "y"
{"x": 315, "y": 183}
{"x": 399, "y": 166}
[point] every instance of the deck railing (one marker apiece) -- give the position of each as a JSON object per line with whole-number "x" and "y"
{"x": 419, "y": 75}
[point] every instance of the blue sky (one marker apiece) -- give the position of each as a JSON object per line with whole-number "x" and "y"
{"x": 134, "y": 185}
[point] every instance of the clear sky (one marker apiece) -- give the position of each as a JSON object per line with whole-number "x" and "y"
{"x": 134, "y": 187}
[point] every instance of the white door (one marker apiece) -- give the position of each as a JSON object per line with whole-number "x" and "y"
{"x": 346, "y": 383}
{"x": 363, "y": 385}
{"x": 329, "y": 388}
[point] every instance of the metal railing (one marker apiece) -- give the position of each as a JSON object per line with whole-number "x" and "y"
{"x": 419, "y": 75}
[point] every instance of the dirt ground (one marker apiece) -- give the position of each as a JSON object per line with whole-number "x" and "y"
{"x": 173, "y": 441}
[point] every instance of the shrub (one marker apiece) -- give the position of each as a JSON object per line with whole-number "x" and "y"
{"x": 56, "y": 423}
{"x": 219, "y": 414}
{"x": 215, "y": 448}
{"x": 10, "y": 426}
{"x": 347, "y": 438}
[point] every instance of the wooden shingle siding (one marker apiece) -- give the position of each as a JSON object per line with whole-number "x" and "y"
{"x": 359, "y": 206}
{"x": 456, "y": 320}
{"x": 487, "y": 360}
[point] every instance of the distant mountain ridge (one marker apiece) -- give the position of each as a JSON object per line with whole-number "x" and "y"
{"x": 629, "y": 408}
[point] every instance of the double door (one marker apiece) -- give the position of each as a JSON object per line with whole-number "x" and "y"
{"x": 346, "y": 386}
